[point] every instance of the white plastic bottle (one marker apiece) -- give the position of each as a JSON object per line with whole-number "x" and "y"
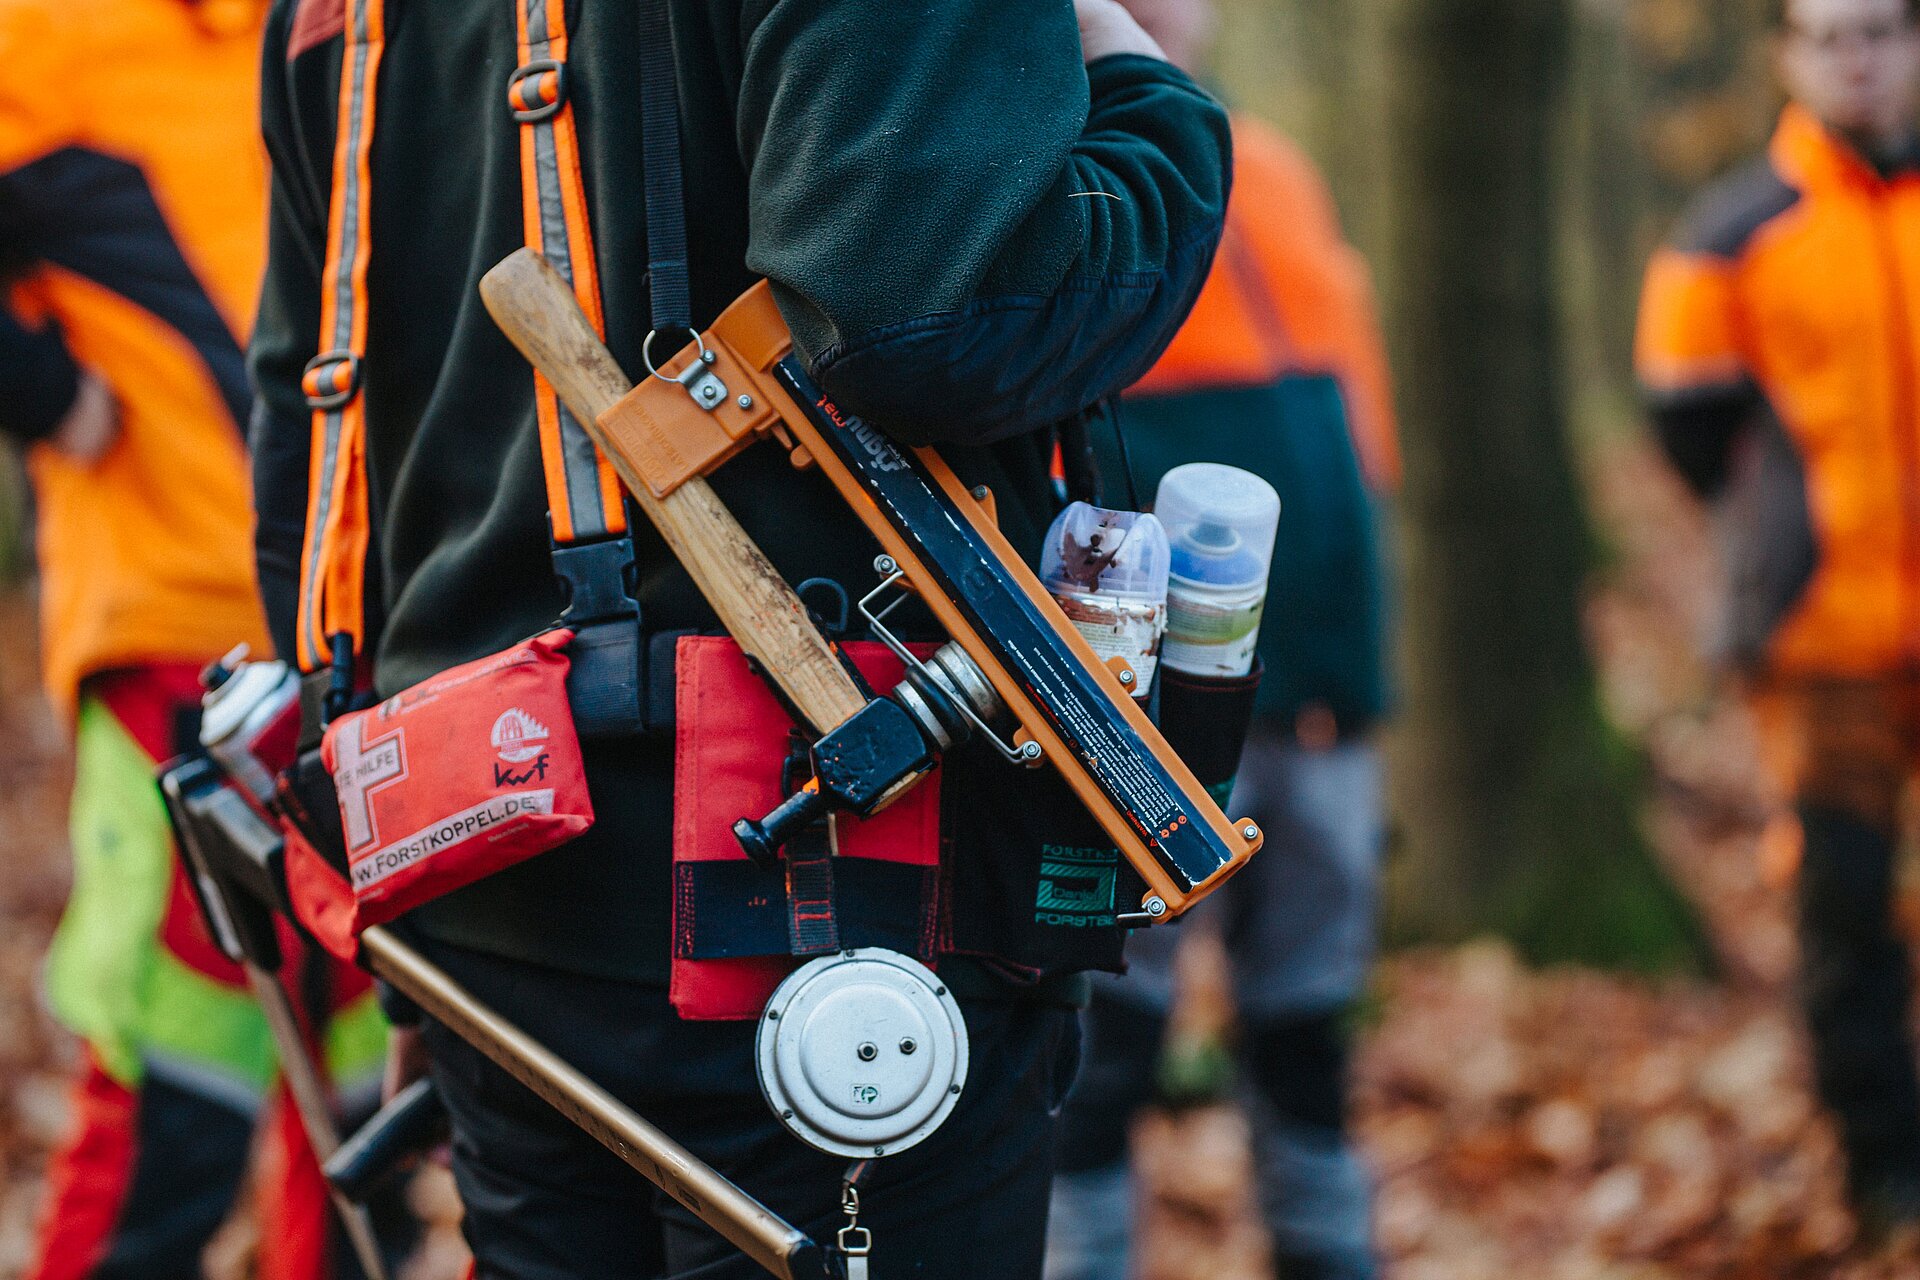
{"x": 1108, "y": 572}
{"x": 1221, "y": 522}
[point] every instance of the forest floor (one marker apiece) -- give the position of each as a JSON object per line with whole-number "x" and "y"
{"x": 1560, "y": 1125}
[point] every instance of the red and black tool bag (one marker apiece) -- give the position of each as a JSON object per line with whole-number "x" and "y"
{"x": 735, "y": 922}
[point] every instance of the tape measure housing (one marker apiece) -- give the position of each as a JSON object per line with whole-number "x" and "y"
{"x": 862, "y": 1053}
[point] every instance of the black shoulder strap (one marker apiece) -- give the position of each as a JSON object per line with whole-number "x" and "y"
{"x": 665, "y": 192}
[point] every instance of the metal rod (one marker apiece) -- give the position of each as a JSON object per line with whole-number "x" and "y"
{"x": 316, "y": 1114}
{"x": 750, "y": 1226}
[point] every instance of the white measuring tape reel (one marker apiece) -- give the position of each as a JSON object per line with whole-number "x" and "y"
{"x": 862, "y": 1053}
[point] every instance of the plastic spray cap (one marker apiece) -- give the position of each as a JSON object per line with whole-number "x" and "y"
{"x": 1221, "y": 522}
{"x": 1091, "y": 549}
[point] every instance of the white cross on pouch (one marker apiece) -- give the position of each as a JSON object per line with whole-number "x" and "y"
{"x": 358, "y": 772}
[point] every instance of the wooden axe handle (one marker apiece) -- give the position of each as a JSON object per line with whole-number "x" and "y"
{"x": 536, "y": 309}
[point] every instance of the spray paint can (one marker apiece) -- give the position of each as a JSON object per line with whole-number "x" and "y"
{"x": 250, "y": 720}
{"x": 1107, "y": 570}
{"x": 1220, "y": 522}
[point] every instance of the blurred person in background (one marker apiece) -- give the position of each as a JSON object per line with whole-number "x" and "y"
{"x": 1279, "y": 369}
{"x": 1779, "y": 348}
{"x": 133, "y": 204}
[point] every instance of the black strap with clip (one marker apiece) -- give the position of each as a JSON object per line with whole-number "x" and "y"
{"x": 666, "y": 213}
{"x": 607, "y": 681}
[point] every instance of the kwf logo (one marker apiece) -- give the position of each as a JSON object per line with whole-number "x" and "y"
{"x": 518, "y": 737}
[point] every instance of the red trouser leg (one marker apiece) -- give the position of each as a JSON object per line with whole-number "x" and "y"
{"x": 150, "y": 1173}
{"x": 88, "y": 1179}
{"x": 291, "y": 1199}
{"x": 142, "y": 1183}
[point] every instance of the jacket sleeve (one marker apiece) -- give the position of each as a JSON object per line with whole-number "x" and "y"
{"x": 1699, "y": 390}
{"x": 38, "y": 379}
{"x": 286, "y": 334}
{"x": 971, "y": 233}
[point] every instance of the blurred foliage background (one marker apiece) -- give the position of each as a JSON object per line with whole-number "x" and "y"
{"x": 1507, "y": 166}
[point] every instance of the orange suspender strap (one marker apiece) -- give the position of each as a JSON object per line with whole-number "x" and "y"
{"x": 333, "y": 559}
{"x": 583, "y": 492}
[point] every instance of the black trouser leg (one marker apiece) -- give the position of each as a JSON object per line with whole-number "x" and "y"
{"x": 1121, "y": 1049}
{"x": 1856, "y": 986}
{"x": 546, "y": 1202}
{"x": 1314, "y": 1190}
{"x": 1299, "y": 1066}
{"x": 190, "y": 1155}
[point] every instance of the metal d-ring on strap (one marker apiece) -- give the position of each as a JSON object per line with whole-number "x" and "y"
{"x": 698, "y": 378}
{"x": 646, "y": 349}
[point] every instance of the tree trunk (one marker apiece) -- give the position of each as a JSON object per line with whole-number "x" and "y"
{"x": 16, "y": 549}
{"x": 1517, "y": 804}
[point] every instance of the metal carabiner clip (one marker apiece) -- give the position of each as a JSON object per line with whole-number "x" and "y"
{"x": 853, "y": 1241}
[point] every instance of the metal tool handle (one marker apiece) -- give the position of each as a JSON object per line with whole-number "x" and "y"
{"x": 309, "y": 1092}
{"x": 750, "y": 1226}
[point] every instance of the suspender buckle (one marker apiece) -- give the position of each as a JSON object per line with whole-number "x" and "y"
{"x": 538, "y": 90}
{"x": 331, "y": 379}
{"x": 606, "y": 684}
{"x": 595, "y": 575}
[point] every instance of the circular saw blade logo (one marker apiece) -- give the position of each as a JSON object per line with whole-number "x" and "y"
{"x": 518, "y": 737}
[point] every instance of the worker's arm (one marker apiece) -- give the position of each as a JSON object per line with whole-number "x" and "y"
{"x": 39, "y": 381}
{"x": 1699, "y": 427}
{"x": 972, "y": 232}
{"x": 44, "y": 393}
{"x": 1700, "y": 394}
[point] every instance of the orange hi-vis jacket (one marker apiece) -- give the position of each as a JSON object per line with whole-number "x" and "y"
{"x": 133, "y": 198}
{"x": 1779, "y": 347}
{"x": 1287, "y": 293}
{"x": 1280, "y": 370}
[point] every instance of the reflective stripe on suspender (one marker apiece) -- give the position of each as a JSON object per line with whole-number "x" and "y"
{"x": 333, "y": 557}
{"x": 583, "y": 492}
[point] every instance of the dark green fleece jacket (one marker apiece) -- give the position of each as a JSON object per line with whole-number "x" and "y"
{"x": 917, "y": 181}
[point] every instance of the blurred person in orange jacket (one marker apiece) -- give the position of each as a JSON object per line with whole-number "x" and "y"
{"x": 133, "y": 232}
{"x": 1280, "y": 369}
{"x": 1779, "y": 348}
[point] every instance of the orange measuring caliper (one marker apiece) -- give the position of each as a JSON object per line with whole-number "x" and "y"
{"x": 1013, "y": 654}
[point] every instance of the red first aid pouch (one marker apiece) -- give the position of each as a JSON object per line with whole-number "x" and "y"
{"x": 458, "y": 777}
